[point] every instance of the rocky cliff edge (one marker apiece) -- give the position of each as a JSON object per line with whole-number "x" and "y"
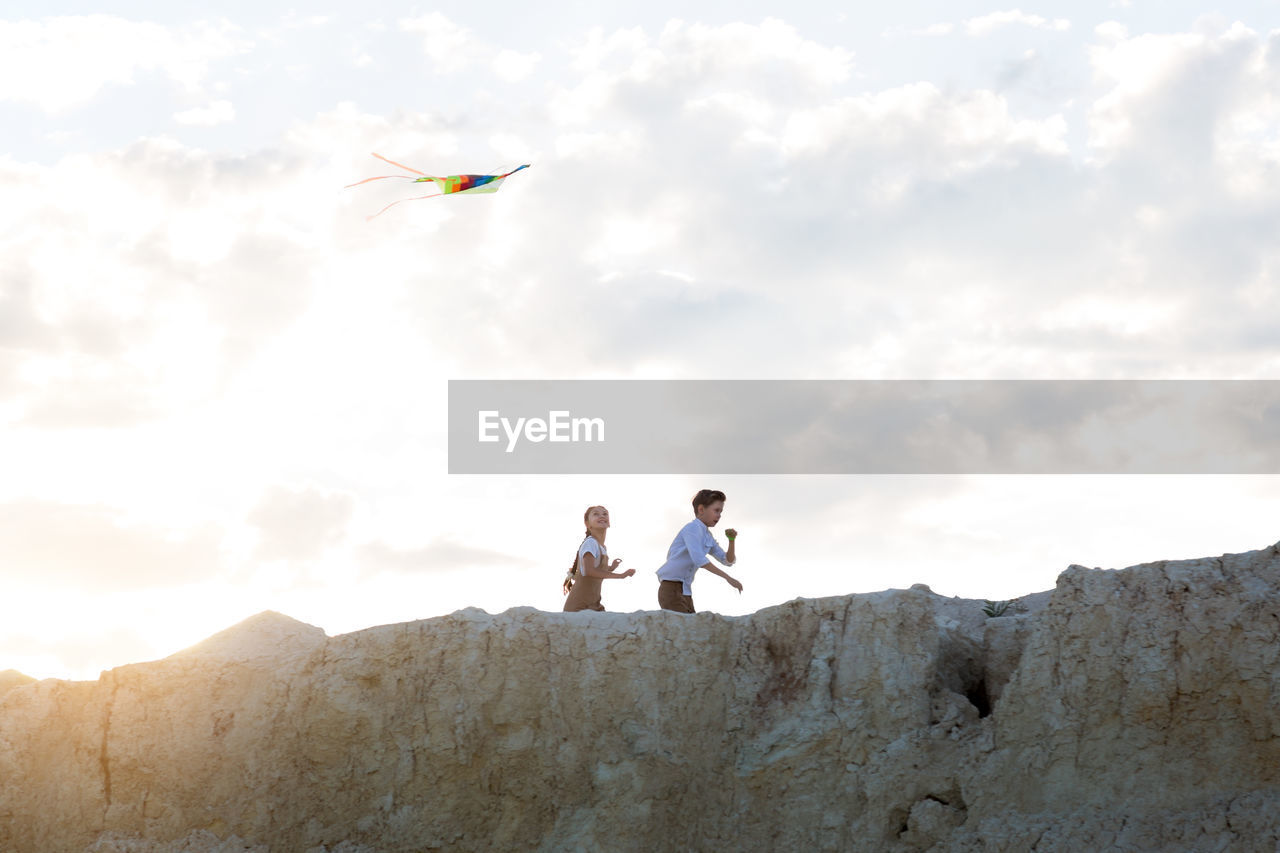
{"x": 1136, "y": 709}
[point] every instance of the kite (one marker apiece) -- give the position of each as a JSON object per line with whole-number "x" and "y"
{"x": 447, "y": 185}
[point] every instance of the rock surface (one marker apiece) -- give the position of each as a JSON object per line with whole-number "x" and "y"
{"x": 11, "y": 678}
{"x": 1127, "y": 710}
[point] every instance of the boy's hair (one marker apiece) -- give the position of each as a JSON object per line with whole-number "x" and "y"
{"x": 706, "y": 497}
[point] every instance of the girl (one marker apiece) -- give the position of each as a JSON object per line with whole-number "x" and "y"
{"x": 582, "y": 583}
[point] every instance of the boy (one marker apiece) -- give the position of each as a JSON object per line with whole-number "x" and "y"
{"x": 688, "y": 553}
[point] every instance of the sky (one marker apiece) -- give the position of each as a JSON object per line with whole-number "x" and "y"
{"x": 223, "y": 391}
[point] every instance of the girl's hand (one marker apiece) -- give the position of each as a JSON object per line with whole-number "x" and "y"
{"x": 613, "y": 567}
{"x": 735, "y": 583}
{"x": 628, "y": 573}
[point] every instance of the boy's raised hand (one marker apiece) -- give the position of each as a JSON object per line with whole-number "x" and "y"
{"x": 730, "y": 533}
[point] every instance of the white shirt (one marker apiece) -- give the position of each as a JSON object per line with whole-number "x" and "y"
{"x": 688, "y": 553}
{"x": 591, "y": 546}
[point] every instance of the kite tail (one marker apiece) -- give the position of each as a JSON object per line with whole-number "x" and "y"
{"x": 384, "y": 177}
{"x": 397, "y": 165}
{"x": 394, "y": 203}
{"x": 379, "y": 178}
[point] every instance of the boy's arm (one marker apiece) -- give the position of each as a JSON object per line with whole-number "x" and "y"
{"x": 731, "y": 556}
{"x": 716, "y": 570}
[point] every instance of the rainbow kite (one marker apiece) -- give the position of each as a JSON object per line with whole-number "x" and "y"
{"x": 446, "y": 185}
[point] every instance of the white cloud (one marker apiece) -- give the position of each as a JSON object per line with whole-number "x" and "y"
{"x": 443, "y": 554}
{"x": 920, "y": 128}
{"x": 99, "y": 548}
{"x": 454, "y": 49}
{"x": 985, "y": 24}
{"x": 596, "y": 146}
{"x": 509, "y": 147}
{"x": 450, "y": 47}
{"x": 1111, "y": 31}
{"x": 62, "y": 62}
{"x": 1201, "y": 97}
{"x": 299, "y": 524}
{"x": 293, "y": 21}
{"x": 754, "y": 47}
{"x": 689, "y": 63}
{"x": 215, "y": 113}
{"x": 512, "y": 66}
{"x": 741, "y": 106}
{"x": 170, "y": 267}
{"x": 941, "y": 28}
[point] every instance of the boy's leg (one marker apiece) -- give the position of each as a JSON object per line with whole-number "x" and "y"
{"x": 671, "y": 597}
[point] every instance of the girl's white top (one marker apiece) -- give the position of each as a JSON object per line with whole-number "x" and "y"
{"x": 591, "y": 546}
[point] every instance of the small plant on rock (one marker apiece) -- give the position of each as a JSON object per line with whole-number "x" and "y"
{"x": 995, "y": 608}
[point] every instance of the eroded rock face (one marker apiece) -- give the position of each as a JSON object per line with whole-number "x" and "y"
{"x": 10, "y": 679}
{"x": 1137, "y": 709}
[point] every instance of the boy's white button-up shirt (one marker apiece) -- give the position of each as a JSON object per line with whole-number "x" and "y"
{"x": 688, "y": 553}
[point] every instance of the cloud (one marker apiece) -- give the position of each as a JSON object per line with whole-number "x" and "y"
{"x": 169, "y": 269}
{"x": 91, "y": 396}
{"x": 1185, "y": 94}
{"x": 450, "y": 47}
{"x": 629, "y": 71}
{"x": 512, "y": 66}
{"x": 942, "y": 28}
{"x": 763, "y": 105}
{"x": 687, "y": 203}
{"x": 64, "y": 371}
{"x": 1187, "y": 127}
{"x": 985, "y": 24}
{"x": 98, "y": 548}
{"x": 930, "y": 133}
{"x": 58, "y": 63}
{"x": 299, "y": 524}
{"x": 454, "y": 49}
{"x": 442, "y": 554}
{"x": 215, "y": 113}
{"x": 679, "y": 176}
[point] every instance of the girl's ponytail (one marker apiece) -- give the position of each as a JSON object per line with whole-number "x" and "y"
{"x": 573, "y": 567}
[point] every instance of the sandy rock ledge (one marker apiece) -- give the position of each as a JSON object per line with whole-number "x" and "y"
{"x": 1125, "y": 710}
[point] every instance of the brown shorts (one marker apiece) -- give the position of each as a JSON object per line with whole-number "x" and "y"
{"x": 671, "y": 597}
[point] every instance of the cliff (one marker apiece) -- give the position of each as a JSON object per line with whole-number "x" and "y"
{"x": 1135, "y": 709}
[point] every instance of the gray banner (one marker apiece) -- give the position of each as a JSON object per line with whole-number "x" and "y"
{"x": 864, "y": 427}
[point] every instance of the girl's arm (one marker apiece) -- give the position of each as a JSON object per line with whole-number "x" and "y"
{"x": 589, "y": 568}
